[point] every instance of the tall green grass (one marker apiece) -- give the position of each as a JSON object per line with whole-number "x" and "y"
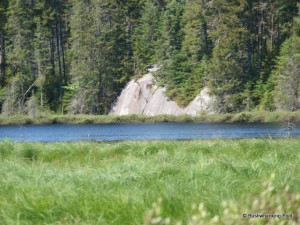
{"x": 250, "y": 117}
{"x": 117, "y": 183}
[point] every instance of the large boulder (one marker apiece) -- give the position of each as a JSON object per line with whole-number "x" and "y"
{"x": 202, "y": 104}
{"x": 144, "y": 96}
{"x": 134, "y": 97}
{"x": 159, "y": 104}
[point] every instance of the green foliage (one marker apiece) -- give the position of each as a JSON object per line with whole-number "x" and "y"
{"x": 145, "y": 37}
{"x": 263, "y": 93}
{"x": 170, "y": 31}
{"x": 19, "y": 48}
{"x": 184, "y": 56}
{"x": 100, "y": 53}
{"x": 32, "y": 107}
{"x": 229, "y": 46}
{"x": 226, "y": 68}
{"x": 287, "y": 75}
{"x": 3, "y": 21}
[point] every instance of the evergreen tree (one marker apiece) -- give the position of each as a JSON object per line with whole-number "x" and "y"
{"x": 50, "y": 40}
{"x": 3, "y": 8}
{"x": 101, "y": 52}
{"x": 42, "y": 48}
{"x": 91, "y": 49}
{"x": 171, "y": 31}
{"x": 169, "y": 48}
{"x": 81, "y": 23}
{"x": 10, "y": 97}
{"x": 229, "y": 58}
{"x": 196, "y": 43}
{"x": 196, "y": 48}
{"x": 93, "y": 56}
{"x": 268, "y": 24}
{"x": 145, "y": 37}
{"x": 3, "y": 20}
{"x": 288, "y": 72}
{"x": 20, "y": 56}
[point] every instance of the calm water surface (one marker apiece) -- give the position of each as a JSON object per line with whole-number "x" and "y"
{"x": 66, "y": 132}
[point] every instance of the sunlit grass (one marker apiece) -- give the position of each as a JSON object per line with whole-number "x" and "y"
{"x": 117, "y": 183}
{"x": 255, "y": 116}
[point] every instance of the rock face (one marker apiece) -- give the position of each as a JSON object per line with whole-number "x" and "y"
{"x": 145, "y": 97}
{"x": 203, "y": 103}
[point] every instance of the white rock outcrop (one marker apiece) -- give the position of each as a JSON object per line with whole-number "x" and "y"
{"x": 145, "y": 97}
{"x": 203, "y": 103}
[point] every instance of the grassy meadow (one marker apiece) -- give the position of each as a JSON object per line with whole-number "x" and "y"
{"x": 149, "y": 182}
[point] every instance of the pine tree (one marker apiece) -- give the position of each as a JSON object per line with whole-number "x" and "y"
{"x": 196, "y": 43}
{"x": 102, "y": 54}
{"x": 20, "y": 54}
{"x": 171, "y": 31}
{"x": 169, "y": 48}
{"x": 10, "y": 97}
{"x": 229, "y": 58}
{"x": 145, "y": 37}
{"x": 91, "y": 49}
{"x": 50, "y": 41}
{"x": 93, "y": 56}
{"x": 196, "y": 48}
{"x": 3, "y": 8}
{"x": 80, "y": 66}
{"x": 44, "y": 17}
{"x": 287, "y": 72}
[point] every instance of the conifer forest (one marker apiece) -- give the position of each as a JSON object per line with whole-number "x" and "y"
{"x": 76, "y": 56}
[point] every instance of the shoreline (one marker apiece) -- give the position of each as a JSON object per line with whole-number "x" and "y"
{"x": 243, "y": 117}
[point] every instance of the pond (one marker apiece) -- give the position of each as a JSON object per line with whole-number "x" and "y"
{"x": 162, "y": 131}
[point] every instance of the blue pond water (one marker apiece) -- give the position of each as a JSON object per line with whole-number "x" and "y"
{"x": 66, "y": 132}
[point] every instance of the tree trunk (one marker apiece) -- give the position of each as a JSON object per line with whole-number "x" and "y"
{"x": 260, "y": 44}
{"x": 62, "y": 51}
{"x": 205, "y": 33}
{"x": 52, "y": 52}
{"x": 261, "y": 23}
{"x": 58, "y": 56}
{"x": 249, "y": 53}
{"x": 206, "y": 40}
{"x": 2, "y": 59}
{"x": 42, "y": 99}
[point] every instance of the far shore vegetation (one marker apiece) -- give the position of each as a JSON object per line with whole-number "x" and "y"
{"x": 77, "y": 56}
{"x": 247, "y": 117}
{"x": 211, "y": 182}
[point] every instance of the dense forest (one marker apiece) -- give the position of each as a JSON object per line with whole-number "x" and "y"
{"x": 75, "y": 56}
